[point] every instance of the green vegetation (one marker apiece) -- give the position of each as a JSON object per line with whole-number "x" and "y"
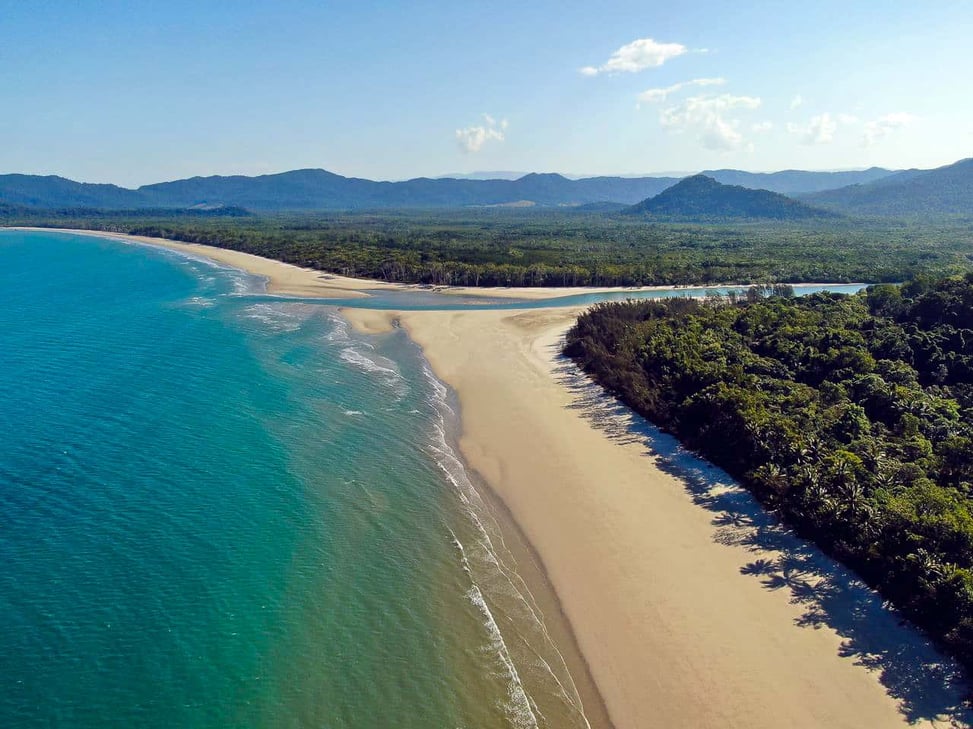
{"x": 910, "y": 193}
{"x": 700, "y": 198}
{"x": 797, "y": 182}
{"x": 850, "y": 417}
{"x": 494, "y": 247}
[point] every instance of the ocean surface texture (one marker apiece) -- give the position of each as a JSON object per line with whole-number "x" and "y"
{"x": 220, "y": 509}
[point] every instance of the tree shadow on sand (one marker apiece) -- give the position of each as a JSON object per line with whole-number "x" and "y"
{"x": 928, "y": 686}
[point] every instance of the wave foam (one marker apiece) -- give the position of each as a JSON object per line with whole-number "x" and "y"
{"x": 377, "y": 365}
{"x": 200, "y": 302}
{"x": 275, "y": 317}
{"x": 519, "y": 707}
{"x": 502, "y": 582}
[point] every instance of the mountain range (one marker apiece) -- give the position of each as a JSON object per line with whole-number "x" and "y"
{"x": 796, "y": 182}
{"x": 313, "y": 189}
{"x": 944, "y": 190}
{"x": 875, "y": 191}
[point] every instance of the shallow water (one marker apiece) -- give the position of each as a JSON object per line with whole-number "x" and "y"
{"x": 219, "y": 507}
{"x": 222, "y": 509}
{"x": 429, "y": 301}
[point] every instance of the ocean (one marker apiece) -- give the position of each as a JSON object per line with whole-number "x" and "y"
{"x": 219, "y": 508}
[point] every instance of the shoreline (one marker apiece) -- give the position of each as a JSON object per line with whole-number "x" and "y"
{"x": 286, "y": 279}
{"x": 527, "y": 565}
{"x": 663, "y": 599}
{"x": 688, "y": 637}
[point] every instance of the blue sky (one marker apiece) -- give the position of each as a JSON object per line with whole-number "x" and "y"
{"x": 136, "y": 92}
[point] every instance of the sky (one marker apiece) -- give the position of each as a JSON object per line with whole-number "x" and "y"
{"x": 142, "y": 91}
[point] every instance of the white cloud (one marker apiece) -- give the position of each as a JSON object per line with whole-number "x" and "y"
{"x": 761, "y": 127}
{"x": 797, "y": 101}
{"x": 883, "y": 126}
{"x": 651, "y": 96}
{"x": 706, "y": 116}
{"x": 637, "y": 56}
{"x": 819, "y": 130}
{"x": 471, "y": 139}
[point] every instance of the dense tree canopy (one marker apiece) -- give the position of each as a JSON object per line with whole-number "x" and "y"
{"x": 490, "y": 247}
{"x": 702, "y": 198}
{"x": 851, "y": 416}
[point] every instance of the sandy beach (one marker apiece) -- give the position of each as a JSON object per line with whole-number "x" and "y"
{"x": 691, "y": 607}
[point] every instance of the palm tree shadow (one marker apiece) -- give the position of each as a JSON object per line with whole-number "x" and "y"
{"x": 927, "y": 686}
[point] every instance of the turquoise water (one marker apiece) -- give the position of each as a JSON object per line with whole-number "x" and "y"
{"x": 221, "y": 509}
{"x": 430, "y": 301}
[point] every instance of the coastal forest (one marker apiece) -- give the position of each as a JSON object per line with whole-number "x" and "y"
{"x": 850, "y": 417}
{"x": 553, "y": 247}
{"x": 721, "y": 226}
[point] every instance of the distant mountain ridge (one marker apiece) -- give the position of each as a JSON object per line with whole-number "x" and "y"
{"x": 57, "y": 192}
{"x": 700, "y": 198}
{"x": 944, "y": 190}
{"x": 794, "y": 182}
{"x": 316, "y": 189}
{"x": 313, "y": 189}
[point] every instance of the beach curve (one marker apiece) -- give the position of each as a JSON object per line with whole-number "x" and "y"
{"x": 676, "y": 623}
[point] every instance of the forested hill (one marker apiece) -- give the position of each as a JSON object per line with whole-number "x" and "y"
{"x": 943, "y": 191}
{"x": 851, "y": 417}
{"x": 701, "y": 198}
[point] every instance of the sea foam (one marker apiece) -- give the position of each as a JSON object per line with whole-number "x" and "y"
{"x": 499, "y": 577}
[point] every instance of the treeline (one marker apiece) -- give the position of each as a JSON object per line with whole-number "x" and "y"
{"x": 849, "y": 416}
{"x": 65, "y": 216}
{"x": 562, "y": 248}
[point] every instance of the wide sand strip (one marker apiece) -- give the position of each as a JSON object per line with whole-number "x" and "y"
{"x": 691, "y": 607}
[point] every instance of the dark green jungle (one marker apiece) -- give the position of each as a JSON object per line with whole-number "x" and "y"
{"x": 850, "y": 417}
